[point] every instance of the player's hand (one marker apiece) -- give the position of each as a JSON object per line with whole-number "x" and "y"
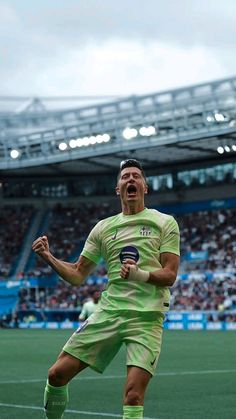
{"x": 125, "y": 268}
{"x": 41, "y": 246}
{"x": 130, "y": 270}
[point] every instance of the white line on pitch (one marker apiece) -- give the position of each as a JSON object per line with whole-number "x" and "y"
{"x": 112, "y": 377}
{"x": 82, "y": 412}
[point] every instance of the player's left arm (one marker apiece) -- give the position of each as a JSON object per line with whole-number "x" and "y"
{"x": 162, "y": 277}
{"x": 169, "y": 256}
{"x": 167, "y": 275}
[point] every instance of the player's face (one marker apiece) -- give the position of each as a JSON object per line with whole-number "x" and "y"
{"x": 131, "y": 185}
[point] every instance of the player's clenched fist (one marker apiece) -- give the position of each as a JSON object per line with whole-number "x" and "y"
{"x": 41, "y": 246}
{"x": 129, "y": 270}
{"x": 125, "y": 268}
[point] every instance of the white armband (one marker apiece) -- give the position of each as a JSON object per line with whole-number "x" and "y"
{"x": 137, "y": 274}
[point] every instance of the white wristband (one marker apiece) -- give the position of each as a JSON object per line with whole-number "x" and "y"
{"x": 137, "y": 274}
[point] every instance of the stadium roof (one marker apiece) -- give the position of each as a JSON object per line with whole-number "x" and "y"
{"x": 186, "y": 126}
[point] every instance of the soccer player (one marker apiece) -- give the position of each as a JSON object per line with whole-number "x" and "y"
{"x": 141, "y": 249}
{"x": 89, "y": 306}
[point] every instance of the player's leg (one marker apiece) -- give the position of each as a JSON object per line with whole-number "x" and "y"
{"x": 135, "y": 387}
{"x": 94, "y": 344}
{"x": 56, "y": 391}
{"x": 143, "y": 336}
{"x": 64, "y": 369}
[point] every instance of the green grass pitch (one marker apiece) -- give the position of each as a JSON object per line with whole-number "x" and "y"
{"x": 195, "y": 379}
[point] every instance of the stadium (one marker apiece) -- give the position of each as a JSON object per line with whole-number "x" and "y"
{"x": 58, "y": 171}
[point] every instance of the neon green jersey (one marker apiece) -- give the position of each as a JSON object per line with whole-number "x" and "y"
{"x": 141, "y": 237}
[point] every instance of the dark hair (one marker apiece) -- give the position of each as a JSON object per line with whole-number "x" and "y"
{"x": 131, "y": 163}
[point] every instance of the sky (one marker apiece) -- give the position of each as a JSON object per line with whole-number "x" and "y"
{"x": 114, "y": 47}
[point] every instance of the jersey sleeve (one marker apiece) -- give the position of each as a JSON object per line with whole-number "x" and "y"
{"x": 92, "y": 246}
{"x": 170, "y": 238}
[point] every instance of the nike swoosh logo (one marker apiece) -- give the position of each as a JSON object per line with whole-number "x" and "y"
{"x": 114, "y": 236}
{"x": 153, "y": 362}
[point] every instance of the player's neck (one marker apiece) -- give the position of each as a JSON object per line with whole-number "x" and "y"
{"x": 132, "y": 208}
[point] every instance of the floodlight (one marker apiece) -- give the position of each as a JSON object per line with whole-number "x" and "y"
{"x": 86, "y": 141}
{"x": 99, "y": 139}
{"x": 73, "y": 143}
{"x": 14, "y": 154}
{"x": 220, "y": 150}
{"x": 62, "y": 146}
{"x": 106, "y": 138}
{"x": 210, "y": 118}
{"x": 130, "y": 133}
{"x": 147, "y": 131}
{"x": 92, "y": 139}
{"x": 79, "y": 142}
{"x": 219, "y": 117}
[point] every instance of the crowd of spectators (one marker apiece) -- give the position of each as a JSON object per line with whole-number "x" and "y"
{"x": 67, "y": 228}
{"x": 64, "y": 296}
{"x": 211, "y": 233}
{"x": 195, "y": 294}
{"x": 14, "y": 224}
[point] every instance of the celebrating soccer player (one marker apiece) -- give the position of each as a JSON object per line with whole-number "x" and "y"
{"x": 141, "y": 249}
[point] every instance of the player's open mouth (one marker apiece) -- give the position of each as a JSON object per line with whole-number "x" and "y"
{"x": 131, "y": 190}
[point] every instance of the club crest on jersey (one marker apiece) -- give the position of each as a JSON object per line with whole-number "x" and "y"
{"x": 145, "y": 231}
{"x": 129, "y": 252}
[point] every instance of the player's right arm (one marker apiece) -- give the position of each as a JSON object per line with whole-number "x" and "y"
{"x": 74, "y": 273}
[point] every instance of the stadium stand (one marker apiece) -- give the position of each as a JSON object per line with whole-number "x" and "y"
{"x": 186, "y": 139}
{"x": 66, "y": 228}
{"x": 14, "y": 225}
{"x": 208, "y": 241}
{"x": 207, "y": 275}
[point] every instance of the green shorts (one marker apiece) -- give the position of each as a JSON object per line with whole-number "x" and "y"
{"x": 100, "y": 337}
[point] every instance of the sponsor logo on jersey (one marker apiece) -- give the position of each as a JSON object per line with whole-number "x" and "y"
{"x": 145, "y": 231}
{"x": 129, "y": 252}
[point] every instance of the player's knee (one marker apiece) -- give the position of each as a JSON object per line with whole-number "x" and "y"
{"x": 132, "y": 398}
{"x": 56, "y": 377}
